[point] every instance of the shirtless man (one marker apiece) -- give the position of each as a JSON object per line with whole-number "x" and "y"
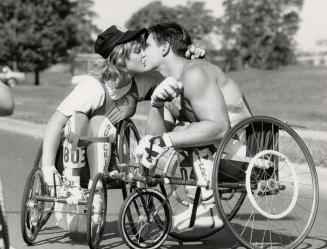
{"x": 210, "y": 104}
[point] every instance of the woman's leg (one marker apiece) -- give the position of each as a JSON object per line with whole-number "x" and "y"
{"x": 98, "y": 154}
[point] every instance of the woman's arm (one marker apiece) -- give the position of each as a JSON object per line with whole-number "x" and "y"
{"x": 52, "y": 137}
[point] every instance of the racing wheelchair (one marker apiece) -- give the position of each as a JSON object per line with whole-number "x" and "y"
{"x": 264, "y": 187}
{"x": 38, "y": 204}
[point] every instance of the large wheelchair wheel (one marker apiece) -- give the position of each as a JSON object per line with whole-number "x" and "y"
{"x": 96, "y": 211}
{"x": 144, "y": 219}
{"x": 32, "y": 210}
{"x": 265, "y": 158}
{"x": 182, "y": 198}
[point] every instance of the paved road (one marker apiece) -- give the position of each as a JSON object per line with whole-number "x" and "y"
{"x": 16, "y": 157}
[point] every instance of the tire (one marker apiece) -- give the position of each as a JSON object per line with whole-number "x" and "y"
{"x": 133, "y": 219}
{"x": 272, "y": 165}
{"x": 12, "y": 82}
{"x": 50, "y": 206}
{"x": 4, "y": 234}
{"x": 96, "y": 219}
{"x": 127, "y": 141}
{"x": 32, "y": 210}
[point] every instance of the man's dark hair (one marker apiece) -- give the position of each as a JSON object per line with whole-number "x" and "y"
{"x": 173, "y": 33}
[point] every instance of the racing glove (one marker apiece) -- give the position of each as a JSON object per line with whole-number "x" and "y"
{"x": 151, "y": 148}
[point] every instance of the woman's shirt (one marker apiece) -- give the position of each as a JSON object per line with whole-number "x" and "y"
{"x": 91, "y": 97}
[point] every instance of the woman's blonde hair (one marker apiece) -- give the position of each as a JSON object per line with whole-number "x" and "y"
{"x": 113, "y": 68}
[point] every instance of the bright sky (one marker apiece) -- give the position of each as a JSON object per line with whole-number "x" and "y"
{"x": 313, "y": 15}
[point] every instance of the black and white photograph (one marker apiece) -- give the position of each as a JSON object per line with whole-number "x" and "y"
{"x": 151, "y": 124}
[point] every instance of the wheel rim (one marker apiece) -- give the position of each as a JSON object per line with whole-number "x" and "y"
{"x": 145, "y": 224}
{"x": 284, "y": 212}
{"x": 33, "y": 209}
{"x": 272, "y": 184}
{"x": 127, "y": 142}
{"x": 97, "y": 211}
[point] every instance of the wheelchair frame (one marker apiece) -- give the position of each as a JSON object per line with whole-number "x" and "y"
{"x": 262, "y": 178}
{"x": 36, "y": 202}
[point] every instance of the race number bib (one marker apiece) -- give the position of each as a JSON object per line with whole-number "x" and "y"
{"x": 73, "y": 160}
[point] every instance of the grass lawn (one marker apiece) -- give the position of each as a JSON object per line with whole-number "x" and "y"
{"x": 294, "y": 94}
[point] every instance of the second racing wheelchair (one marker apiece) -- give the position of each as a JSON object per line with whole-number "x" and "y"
{"x": 264, "y": 188}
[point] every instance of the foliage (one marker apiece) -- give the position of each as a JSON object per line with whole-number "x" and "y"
{"x": 35, "y": 34}
{"x": 260, "y": 33}
{"x": 194, "y": 17}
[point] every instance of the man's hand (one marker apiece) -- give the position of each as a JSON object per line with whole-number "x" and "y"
{"x": 151, "y": 148}
{"x": 194, "y": 52}
{"x": 167, "y": 90}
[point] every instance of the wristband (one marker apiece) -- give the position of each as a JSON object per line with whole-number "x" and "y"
{"x": 167, "y": 140}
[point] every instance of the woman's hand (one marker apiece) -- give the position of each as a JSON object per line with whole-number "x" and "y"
{"x": 194, "y": 52}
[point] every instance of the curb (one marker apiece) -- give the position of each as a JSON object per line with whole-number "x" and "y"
{"x": 22, "y": 127}
{"x": 35, "y": 130}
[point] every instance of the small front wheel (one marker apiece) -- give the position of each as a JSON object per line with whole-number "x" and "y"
{"x": 145, "y": 219}
{"x": 96, "y": 211}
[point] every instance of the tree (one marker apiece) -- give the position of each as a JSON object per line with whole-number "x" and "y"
{"x": 260, "y": 33}
{"x": 194, "y": 17}
{"x": 35, "y": 34}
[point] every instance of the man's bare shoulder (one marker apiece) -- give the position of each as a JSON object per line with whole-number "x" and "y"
{"x": 197, "y": 70}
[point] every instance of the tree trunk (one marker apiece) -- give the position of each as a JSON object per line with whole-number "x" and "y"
{"x": 36, "y": 78}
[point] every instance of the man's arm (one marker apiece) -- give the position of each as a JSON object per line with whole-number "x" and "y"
{"x": 209, "y": 108}
{"x": 6, "y": 100}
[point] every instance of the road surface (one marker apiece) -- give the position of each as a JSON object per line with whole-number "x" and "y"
{"x": 17, "y": 154}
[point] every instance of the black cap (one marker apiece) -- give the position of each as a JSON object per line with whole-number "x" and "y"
{"x": 108, "y": 39}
